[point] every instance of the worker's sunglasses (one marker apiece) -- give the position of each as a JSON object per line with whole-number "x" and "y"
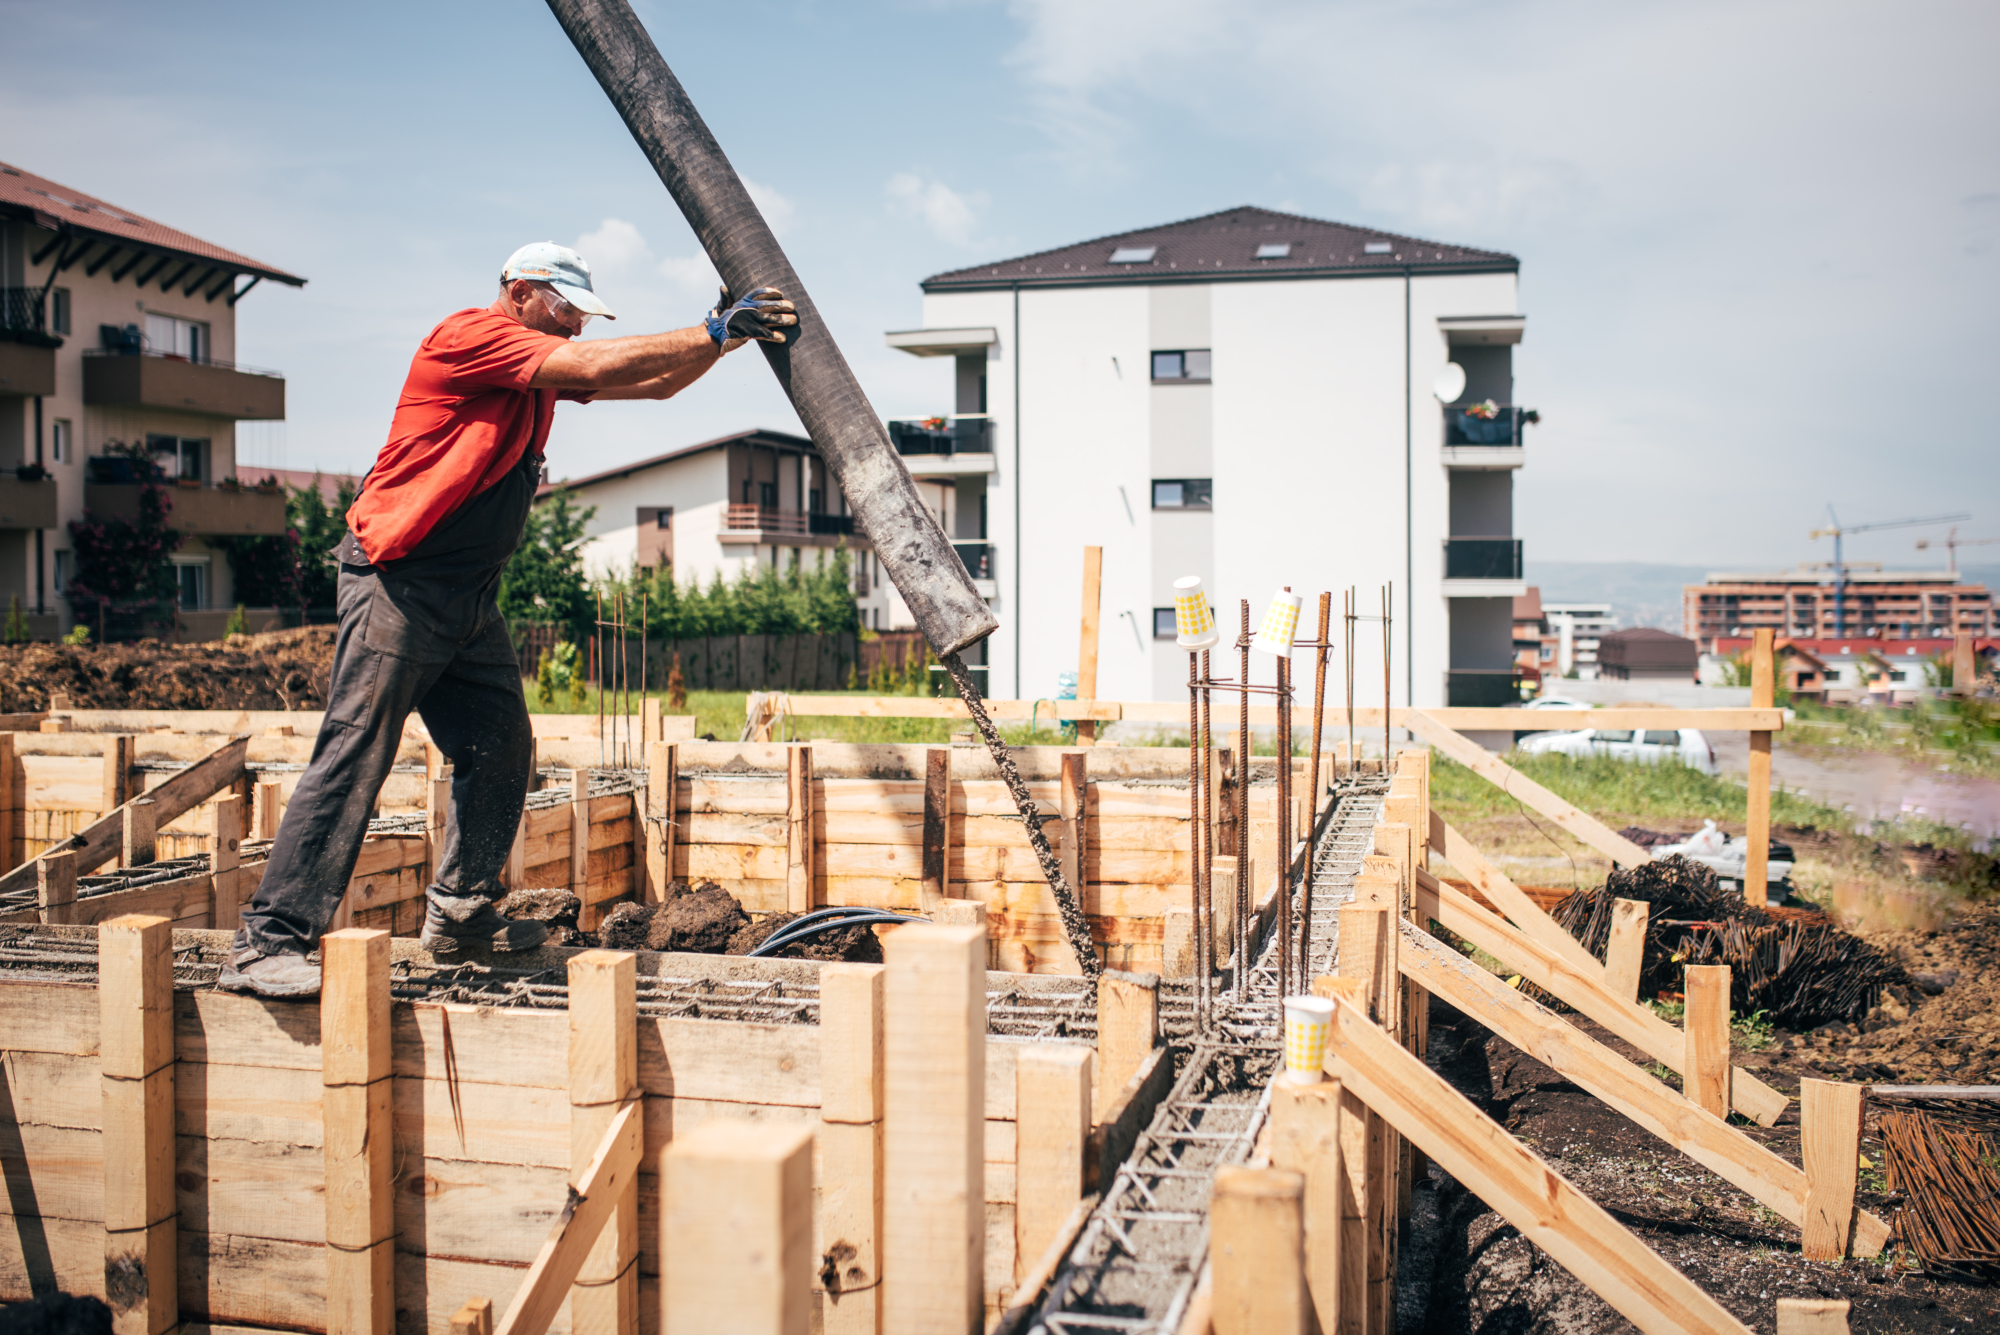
{"x": 561, "y": 310}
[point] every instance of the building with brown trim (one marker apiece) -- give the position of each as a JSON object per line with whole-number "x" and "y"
{"x": 1801, "y": 604}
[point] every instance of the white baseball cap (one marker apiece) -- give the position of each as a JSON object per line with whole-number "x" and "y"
{"x": 559, "y": 267}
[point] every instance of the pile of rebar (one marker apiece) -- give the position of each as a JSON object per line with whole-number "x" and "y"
{"x": 1950, "y": 1186}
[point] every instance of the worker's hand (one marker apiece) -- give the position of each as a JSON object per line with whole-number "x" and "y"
{"x": 761, "y": 313}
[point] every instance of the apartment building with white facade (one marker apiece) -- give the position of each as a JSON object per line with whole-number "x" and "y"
{"x": 117, "y": 328}
{"x": 1248, "y": 397}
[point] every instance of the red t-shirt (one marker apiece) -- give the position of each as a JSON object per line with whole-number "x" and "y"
{"x": 465, "y": 417}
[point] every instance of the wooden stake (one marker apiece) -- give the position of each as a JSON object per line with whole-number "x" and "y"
{"x": 579, "y": 833}
{"x": 1757, "y": 829}
{"x": 1305, "y": 1139}
{"x": 1223, "y": 894}
{"x": 360, "y": 1133}
{"x": 1128, "y": 1029}
{"x": 514, "y": 873}
{"x": 1053, "y": 1109}
{"x": 9, "y": 827}
{"x": 434, "y": 768}
{"x": 850, "y": 1145}
{"x": 1073, "y": 798}
{"x": 55, "y": 887}
{"x": 937, "y": 825}
{"x": 1812, "y": 1316}
{"x": 474, "y": 1318}
{"x": 270, "y": 807}
{"x": 604, "y": 1085}
{"x": 118, "y": 751}
{"x": 137, "y": 847}
{"x": 1177, "y": 946}
{"x": 736, "y": 1230}
{"x": 135, "y": 990}
{"x": 934, "y": 1110}
{"x": 662, "y": 776}
{"x": 800, "y": 864}
{"x": 225, "y": 856}
{"x": 1086, "y": 652}
{"x": 437, "y": 825}
{"x": 652, "y": 725}
{"x": 1705, "y": 1068}
{"x": 1625, "y": 958}
{"x": 1830, "y": 1145}
{"x": 1964, "y": 664}
{"x": 1257, "y": 1249}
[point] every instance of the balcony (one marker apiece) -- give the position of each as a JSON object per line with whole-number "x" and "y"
{"x": 761, "y": 525}
{"x": 27, "y": 349}
{"x": 1483, "y": 567}
{"x": 1482, "y": 688}
{"x": 211, "y": 388}
{"x": 27, "y": 505}
{"x": 981, "y": 565}
{"x": 1474, "y": 440}
{"x": 209, "y": 511}
{"x": 944, "y": 446}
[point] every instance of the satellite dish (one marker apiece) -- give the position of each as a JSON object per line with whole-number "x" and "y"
{"x": 1450, "y": 382}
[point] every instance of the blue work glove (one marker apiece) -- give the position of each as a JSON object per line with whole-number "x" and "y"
{"x": 761, "y": 313}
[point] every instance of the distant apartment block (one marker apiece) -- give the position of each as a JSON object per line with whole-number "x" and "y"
{"x": 1805, "y": 604}
{"x": 1572, "y": 635}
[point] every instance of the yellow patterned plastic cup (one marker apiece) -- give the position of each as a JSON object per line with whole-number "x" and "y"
{"x": 1306, "y": 1022}
{"x": 1281, "y": 625}
{"x": 1194, "y": 619}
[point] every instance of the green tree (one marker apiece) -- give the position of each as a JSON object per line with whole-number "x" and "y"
{"x": 319, "y": 527}
{"x": 122, "y": 566}
{"x": 543, "y": 581}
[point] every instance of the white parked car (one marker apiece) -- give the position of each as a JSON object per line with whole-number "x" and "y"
{"x": 1649, "y": 746}
{"x": 1556, "y": 702}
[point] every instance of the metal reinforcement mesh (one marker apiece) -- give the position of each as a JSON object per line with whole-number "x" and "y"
{"x": 1134, "y": 1265}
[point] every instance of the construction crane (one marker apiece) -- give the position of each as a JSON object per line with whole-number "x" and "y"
{"x": 1837, "y": 530}
{"x": 1952, "y": 543}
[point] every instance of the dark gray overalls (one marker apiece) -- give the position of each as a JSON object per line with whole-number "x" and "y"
{"x": 423, "y": 633}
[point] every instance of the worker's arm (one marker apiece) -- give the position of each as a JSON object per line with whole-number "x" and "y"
{"x": 658, "y": 366}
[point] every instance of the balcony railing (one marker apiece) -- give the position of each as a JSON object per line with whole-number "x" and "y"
{"x": 768, "y": 519}
{"x": 1482, "y": 688}
{"x": 146, "y": 379}
{"x": 1470, "y": 425}
{"x": 113, "y": 493}
{"x": 1482, "y": 558}
{"x": 834, "y": 525}
{"x": 942, "y": 435}
{"x": 978, "y": 558}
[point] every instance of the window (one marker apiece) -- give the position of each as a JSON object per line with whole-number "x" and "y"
{"x": 1656, "y": 737}
{"x": 59, "y": 441}
{"x": 174, "y": 337}
{"x": 665, "y": 518}
{"x": 1134, "y": 254}
{"x": 1611, "y": 735}
{"x": 62, "y": 573}
{"x": 191, "y": 574}
{"x": 1274, "y": 250}
{"x": 814, "y": 500}
{"x": 59, "y": 311}
{"x": 1190, "y": 364}
{"x": 767, "y": 495}
{"x": 179, "y": 457}
{"x": 1163, "y": 623}
{"x": 1376, "y": 248}
{"x": 1183, "y": 493}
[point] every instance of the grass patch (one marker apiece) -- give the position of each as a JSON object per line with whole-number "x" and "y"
{"x": 1601, "y": 785}
{"x": 1962, "y": 736}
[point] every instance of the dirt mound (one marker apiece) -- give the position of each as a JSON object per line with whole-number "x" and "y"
{"x": 285, "y": 669}
{"x": 858, "y": 944}
{"x": 558, "y": 909}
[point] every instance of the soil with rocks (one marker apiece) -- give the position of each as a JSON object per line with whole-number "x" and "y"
{"x": 282, "y": 669}
{"x": 1939, "y": 1026}
{"x": 708, "y": 920}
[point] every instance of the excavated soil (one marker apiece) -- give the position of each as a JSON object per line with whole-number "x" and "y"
{"x": 1491, "y": 1280}
{"x": 283, "y": 669}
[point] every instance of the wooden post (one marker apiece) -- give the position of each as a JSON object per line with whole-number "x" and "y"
{"x": 55, "y": 887}
{"x": 1964, "y": 664}
{"x": 1830, "y": 1145}
{"x": 360, "y": 1133}
{"x": 1367, "y": 964}
{"x": 1222, "y": 891}
{"x": 434, "y": 768}
{"x": 937, "y": 826}
{"x": 800, "y": 864}
{"x": 475, "y": 1317}
{"x": 135, "y": 991}
{"x": 662, "y": 778}
{"x": 117, "y": 771}
{"x": 225, "y": 857}
{"x": 1812, "y": 1316}
{"x": 603, "y": 1082}
{"x": 137, "y": 848}
{"x": 1625, "y": 957}
{"x": 735, "y": 1231}
{"x": 1177, "y": 948}
{"x": 1073, "y": 797}
{"x": 1351, "y": 1259}
{"x": 934, "y": 1129}
{"x": 437, "y": 825}
{"x": 1305, "y": 1139}
{"x": 1128, "y": 1029}
{"x": 534, "y": 764}
{"x": 652, "y": 725}
{"x": 270, "y": 807}
{"x": 850, "y": 1147}
{"x": 579, "y": 839}
{"x": 514, "y": 874}
{"x": 1086, "y": 652}
{"x": 1053, "y": 1116}
{"x": 10, "y": 797}
{"x": 1757, "y": 828}
{"x": 1257, "y": 1249}
{"x": 1705, "y": 1068}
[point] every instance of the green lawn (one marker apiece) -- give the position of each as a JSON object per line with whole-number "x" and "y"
{"x": 720, "y": 713}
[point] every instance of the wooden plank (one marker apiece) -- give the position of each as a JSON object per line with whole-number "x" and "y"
{"x": 1573, "y": 1229}
{"x": 360, "y": 1223}
{"x": 476, "y": 1316}
{"x": 613, "y": 1167}
{"x": 1705, "y": 1064}
{"x": 1128, "y": 1028}
{"x": 850, "y": 1144}
{"x": 1625, "y": 956}
{"x": 662, "y": 784}
{"x": 226, "y": 826}
{"x": 136, "y": 1057}
{"x": 736, "y": 1232}
{"x": 603, "y": 1085}
{"x": 1086, "y": 653}
{"x": 1518, "y": 785}
{"x": 1305, "y": 1139}
{"x": 136, "y": 834}
{"x": 1073, "y": 795}
{"x": 934, "y": 1040}
{"x": 850, "y": 1023}
{"x": 578, "y": 811}
{"x": 1256, "y": 1248}
{"x": 1814, "y": 1316}
{"x": 800, "y": 861}
{"x": 270, "y": 808}
{"x": 55, "y": 889}
{"x": 1635, "y": 1024}
{"x": 935, "y": 848}
{"x": 1757, "y": 822}
{"x": 1513, "y": 902}
{"x": 1830, "y": 1116}
{"x": 9, "y": 802}
{"x": 1052, "y": 1085}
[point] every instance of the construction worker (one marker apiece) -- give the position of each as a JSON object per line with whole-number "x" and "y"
{"x": 420, "y": 628}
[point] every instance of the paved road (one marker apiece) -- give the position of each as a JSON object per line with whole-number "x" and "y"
{"x": 1877, "y": 787}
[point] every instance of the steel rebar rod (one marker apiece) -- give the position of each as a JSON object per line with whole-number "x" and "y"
{"x": 1238, "y": 981}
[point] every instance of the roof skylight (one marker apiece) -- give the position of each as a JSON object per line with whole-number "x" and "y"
{"x": 1376, "y": 248}
{"x": 1274, "y": 250}
{"x": 1134, "y": 254}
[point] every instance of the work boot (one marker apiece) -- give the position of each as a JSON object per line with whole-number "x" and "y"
{"x": 486, "y": 928}
{"x": 281, "y": 974}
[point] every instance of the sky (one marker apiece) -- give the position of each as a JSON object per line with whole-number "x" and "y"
{"x": 1757, "y": 239}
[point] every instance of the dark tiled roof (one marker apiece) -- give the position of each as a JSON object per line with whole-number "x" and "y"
{"x": 48, "y": 204}
{"x": 1224, "y": 246}
{"x": 755, "y": 436}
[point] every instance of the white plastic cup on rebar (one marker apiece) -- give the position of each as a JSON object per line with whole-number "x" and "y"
{"x": 1194, "y": 619}
{"x": 1281, "y": 625}
{"x": 1307, "y": 1020}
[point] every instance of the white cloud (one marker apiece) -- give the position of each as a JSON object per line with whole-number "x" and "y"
{"x": 616, "y": 249}
{"x": 778, "y": 210}
{"x": 690, "y": 271}
{"x": 947, "y": 213}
